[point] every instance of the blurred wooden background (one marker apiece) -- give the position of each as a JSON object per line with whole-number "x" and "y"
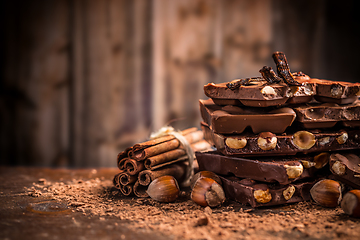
{"x": 84, "y": 79}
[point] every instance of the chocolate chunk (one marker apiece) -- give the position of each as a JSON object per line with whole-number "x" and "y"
{"x": 336, "y": 92}
{"x": 326, "y": 115}
{"x": 257, "y": 94}
{"x": 256, "y": 194}
{"x": 276, "y": 169}
{"x": 264, "y": 144}
{"x": 346, "y": 167}
{"x": 283, "y": 69}
{"x": 269, "y": 75}
{"x": 260, "y": 93}
{"x": 234, "y": 119}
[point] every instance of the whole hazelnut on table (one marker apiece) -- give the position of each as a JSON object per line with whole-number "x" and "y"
{"x": 351, "y": 203}
{"x": 207, "y": 174}
{"x": 326, "y": 193}
{"x": 164, "y": 189}
{"x": 207, "y": 192}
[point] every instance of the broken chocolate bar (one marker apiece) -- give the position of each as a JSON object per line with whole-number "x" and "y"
{"x": 269, "y": 144}
{"x": 256, "y": 94}
{"x": 346, "y": 168}
{"x": 234, "y": 119}
{"x": 260, "y": 93}
{"x": 276, "y": 169}
{"x": 336, "y": 91}
{"x": 326, "y": 115}
{"x": 256, "y": 194}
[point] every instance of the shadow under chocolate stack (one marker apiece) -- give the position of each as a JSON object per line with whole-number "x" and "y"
{"x": 278, "y": 134}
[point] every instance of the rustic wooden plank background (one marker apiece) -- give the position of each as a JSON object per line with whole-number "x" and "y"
{"x": 83, "y": 79}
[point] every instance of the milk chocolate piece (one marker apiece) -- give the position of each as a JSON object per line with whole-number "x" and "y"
{"x": 256, "y": 194}
{"x": 326, "y": 115}
{"x": 346, "y": 168}
{"x": 234, "y": 119}
{"x": 276, "y": 169}
{"x": 285, "y": 144}
{"x": 260, "y": 93}
{"x": 336, "y": 91}
{"x": 257, "y": 94}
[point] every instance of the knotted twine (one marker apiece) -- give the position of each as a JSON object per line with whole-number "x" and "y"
{"x": 168, "y": 130}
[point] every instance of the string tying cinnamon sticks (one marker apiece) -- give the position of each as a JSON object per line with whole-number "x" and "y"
{"x": 167, "y": 153}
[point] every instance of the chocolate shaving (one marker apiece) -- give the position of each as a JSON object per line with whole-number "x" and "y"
{"x": 269, "y": 75}
{"x": 283, "y": 69}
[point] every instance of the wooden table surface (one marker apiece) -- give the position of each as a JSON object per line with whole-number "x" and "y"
{"x": 23, "y": 216}
{"x": 18, "y": 220}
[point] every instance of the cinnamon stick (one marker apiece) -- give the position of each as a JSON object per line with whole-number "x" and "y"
{"x": 126, "y": 190}
{"x": 177, "y": 170}
{"x": 125, "y": 178}
{"x": 116, "y": 181}
{"x": 133, "y": 167}
{"x": 121, "y": 163}
{"x": 140, "y": 190}
{"x": 156, "y": 141}
{"x": 140, "y": 155}
{"x": 173, "y": 156}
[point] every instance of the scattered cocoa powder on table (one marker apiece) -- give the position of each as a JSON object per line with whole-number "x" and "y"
{"x": 184, "y": 219}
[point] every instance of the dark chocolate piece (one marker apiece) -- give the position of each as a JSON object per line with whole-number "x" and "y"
{"x": 277, "y": 169}
{"x": 269, "y": 75}
{"x": 346, "y": 167}
{"x": 336, "y": 91}
{"x": 326, "y": 115}
{"x": 268, "y": 144}
{"x": 234, "y": 119}
{"x": 256, "y": 194}
{"x": 283, "y": 69}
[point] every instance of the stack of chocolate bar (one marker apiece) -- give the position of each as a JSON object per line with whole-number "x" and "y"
{"x": 278, "y": 134}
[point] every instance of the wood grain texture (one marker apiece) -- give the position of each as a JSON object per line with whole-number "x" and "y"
{"x": 82, "y": 80}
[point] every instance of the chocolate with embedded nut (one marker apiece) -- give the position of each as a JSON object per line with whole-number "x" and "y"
{"x": 336, "y": 91}
{"x": 257, "y": 194}
{"x": 284, "y": 144}
{"x": 260, "y": 93}
{"x": 346, "y": 168}
{"x": 276, "y": 169}
{"x": 326, "y": 115}
{"x": 234, "y": 119}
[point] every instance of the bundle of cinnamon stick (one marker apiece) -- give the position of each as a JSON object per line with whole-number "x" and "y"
{"x": 144, "y": 162}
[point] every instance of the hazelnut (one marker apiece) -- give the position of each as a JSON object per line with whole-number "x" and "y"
{"x": 342, "y": 138}
{"x": 308, "y": 164}
{"x": 338, "y": 168}
{"x": 326, "y": 193}
{"x": 294, "y": 171}
{"x": 267, "y": 90}
{"x": 207, "y": 192}
{"x": 236, "y": 143}
{"x": 321, "y": 160}
{"x": 207, "y": 174}
{"x": 267, "y": 141}
{"x": 164, "y": 189}
{"x": 262, "y": 196}
{"x": 289, "y": 192}
{"x": 351, "y": 203}
{"x": 336, "y": 90}
{"x": 323, "y": 141}
{"x": 304, "y": 140}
